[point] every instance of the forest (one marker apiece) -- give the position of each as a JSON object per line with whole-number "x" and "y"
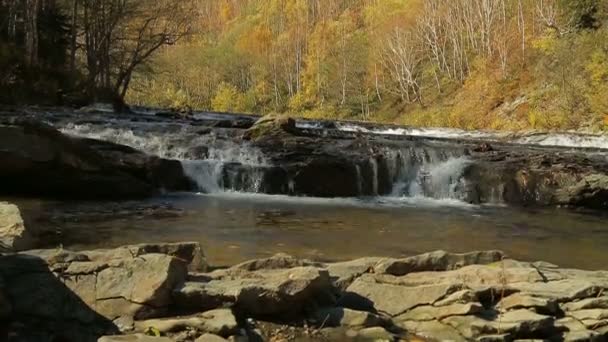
{"x": 474, "y": 64}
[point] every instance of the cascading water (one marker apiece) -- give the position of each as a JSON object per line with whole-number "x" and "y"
{"x": 206, "y": 159}
{"x": 218, "y": 164}
{"x": 441, "y": 181}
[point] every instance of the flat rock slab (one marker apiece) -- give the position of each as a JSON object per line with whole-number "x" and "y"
{"x": 219, "y": 322}
{"x": 367, "y": 293}
{"x": 264, "y": 292}
{"x": 134, "y": 338}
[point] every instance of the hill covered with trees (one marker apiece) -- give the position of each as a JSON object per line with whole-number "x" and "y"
{"x": 500, "y": 64}
{"x": 503, "y": 64}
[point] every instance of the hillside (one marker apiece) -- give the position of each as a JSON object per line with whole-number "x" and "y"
{"x": 513, "y": 64}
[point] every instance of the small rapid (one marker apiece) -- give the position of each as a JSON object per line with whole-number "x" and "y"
{"x": 549, "y": 139}
{"x": 219, "y": 164}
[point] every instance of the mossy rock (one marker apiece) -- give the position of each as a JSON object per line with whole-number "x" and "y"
{"x": 271, "y": 126}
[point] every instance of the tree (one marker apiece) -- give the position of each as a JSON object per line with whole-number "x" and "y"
{"x": 121, "y": 35}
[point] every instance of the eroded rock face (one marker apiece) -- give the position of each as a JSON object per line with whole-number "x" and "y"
{"x": 437, "y": 296}
{"x": 78, "y": 168}
{"x": 13, "y": 233}
{"x": 261, "y": 293}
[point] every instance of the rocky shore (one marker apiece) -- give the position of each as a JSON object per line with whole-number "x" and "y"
{"x": 167, "y": 292}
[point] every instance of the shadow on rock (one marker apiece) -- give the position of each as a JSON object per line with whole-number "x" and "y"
{"x": 35, "y": 305}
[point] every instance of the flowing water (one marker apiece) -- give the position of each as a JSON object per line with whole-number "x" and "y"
{"x": 234, "y": 227}
{"x": 424, "y": 210}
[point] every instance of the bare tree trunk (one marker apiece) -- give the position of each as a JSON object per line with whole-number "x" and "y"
{"x": 31, "y": 32}
{"x": 73, "y": 36}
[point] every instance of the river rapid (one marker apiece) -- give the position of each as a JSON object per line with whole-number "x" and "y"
{"x": 426, "y": 205}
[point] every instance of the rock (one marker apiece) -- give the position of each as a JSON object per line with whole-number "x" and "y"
{"x": 377, "y": 334}
{"x": 327, "y": 176}
{"x": 266, "y": 292}
{"x": 366, "y": 293}
{"x": 430, "y": 313}
{"x": 5, "y": 305}
{"x": 589, "y": 303}
{"x": 518, "y": 323}
{"x": 583, "y": 336}
{"x": 210, "y": 338}
{"x": 344, "y": 273}
{"x": 336, "y": 317}
{"x": 523, "y": 301}
{"x": 189, "y": 252}
{"x": 589, "y": 192}
{"x": 494, "y": 338}
{"x": 271, "y": 126}
{"x": 13, "y": 233}
{"x": 437, "y": 261}
{"x": 124, "y": 323}
{"x": 140, "y": 287}
{"x": 562, "y": 290}
{"x": 589, "y": 314}
{"x": 71, "y": 169}
{"x": 220, "y": 322}
{"x": 458, "y": 297}
{"x": 278, "y": 261}
{"x": 433, "y": 330}
{"x": 134, "y": 338}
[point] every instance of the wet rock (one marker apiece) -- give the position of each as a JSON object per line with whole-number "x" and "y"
{"x": 5, "y": 305}
{"x": 437, "y": 261}
{"x": 336, "y": 317}
{"x": 71, "y": 169}
{"x": 590, "y": 192}
{"x": 327, "y": 176}
{"x": 366, "y": 293}
{"x": 13, "y": 233}
{"x": 134, "y": 338}
{"x": 271, "y": 126}
{"x": 219, "y": 322}
{"x": 210, "y": 338}
{"x": 267, "y": 292}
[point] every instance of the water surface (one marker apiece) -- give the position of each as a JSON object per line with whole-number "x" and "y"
{"x": 234, "y": 227}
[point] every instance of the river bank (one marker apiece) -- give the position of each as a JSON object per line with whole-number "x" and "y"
{"x": 170, "y": 290}
{"x": 244, "y": 188}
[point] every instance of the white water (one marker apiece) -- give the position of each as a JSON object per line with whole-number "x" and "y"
{"x": 416, "y": 173}
{"x": 441, "y": 181}
{"x": 567, "y": 139}
{"x": 207, "y": 173}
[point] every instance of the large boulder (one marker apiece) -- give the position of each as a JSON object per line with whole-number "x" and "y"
{"x": 13, "y": 233}
{"x": 38, "y": 160}
{"x": 271, "y": 126}
{"x": 259, "y": 293}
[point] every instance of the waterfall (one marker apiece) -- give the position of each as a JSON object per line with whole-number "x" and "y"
{"x": 441, "y": 180}
{"x": 210, "y": 161}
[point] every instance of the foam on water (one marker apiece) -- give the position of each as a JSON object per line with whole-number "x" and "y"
{"x": 574, "y": 140}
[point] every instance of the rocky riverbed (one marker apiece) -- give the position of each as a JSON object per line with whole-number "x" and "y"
{"x": 167, "y": 292}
